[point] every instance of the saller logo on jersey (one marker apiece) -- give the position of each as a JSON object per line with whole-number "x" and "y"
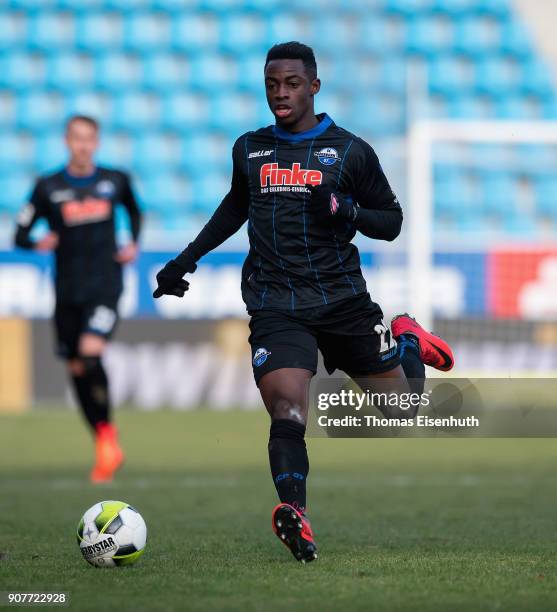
{"x": 271, "y": 174}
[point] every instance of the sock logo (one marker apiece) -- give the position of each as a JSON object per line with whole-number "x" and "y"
{"x": 260, "y": 357}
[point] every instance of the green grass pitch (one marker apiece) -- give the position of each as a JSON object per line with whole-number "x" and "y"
{"x": 401, "y": 524}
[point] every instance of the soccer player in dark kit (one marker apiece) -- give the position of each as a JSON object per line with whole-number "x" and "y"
{"x": 305, "y": 186}
{"x": 78, "y": 204}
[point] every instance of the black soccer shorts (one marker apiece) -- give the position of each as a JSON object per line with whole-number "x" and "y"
{"x": 72, "y": 320}
{"x": 350, "y": 334}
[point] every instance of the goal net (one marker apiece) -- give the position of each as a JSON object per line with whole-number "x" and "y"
{"x": 482, "y": 241}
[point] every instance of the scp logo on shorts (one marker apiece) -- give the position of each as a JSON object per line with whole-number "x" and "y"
{"x": 260, "y": 357}
{"x": 271, "y": 175}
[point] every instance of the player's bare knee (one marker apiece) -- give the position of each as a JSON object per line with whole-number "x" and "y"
{"x": 284, "y": 408}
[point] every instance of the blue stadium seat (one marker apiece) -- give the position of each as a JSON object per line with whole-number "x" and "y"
{"x": 393, "y": 75}
{"x": 136, "y": 111}
{"x": 497, "y": 76}
{"x": 7, "y": 110}
{"x": 67, "y": 72}
{"x": 164, "y": 72}
{"x": 500, "y": 194}
{"x": 146, "y": 32}
{"x": 429, "y": 35}
{"x": 516, "y": 40}
{"x": 211, "y": 72}
{"x": 205, "y": 152}
{"x": 468, "y": 106}
{"x": 408, "y": 8}
{"x": 194, "y": 33}
{"x": 99, "y": 32}
{"x": 88, "y": 102}
{"x": 519, "y": 107}
{"x": 40, "y": 111}
{"x": 454, "y": 192}
{"x": 15, "y": 152}
{"x": 382, "y": 36}
{"x": 21, "y": 71}
{"x": 546, "y": 196}
{"x": 250, "y": 72}
{"x": 477, "y": 36}
{"x": 12, "y": 30}
{"x": 378, "y": 115}
{"x": 454, "y": 8}
{"x": 343, "y": 30}
{"x": 208, "y": 190}
{"x": 115, "y": 72}
{"x": 242, "y": 31}
{"x": 490, "y": 157}
{"x": 50, "y": 151}
{"x": 155, "y": 152}
{"x": 115, "y": 150}
{"x": 48, "y": 31}
{"x": 493, "y": 8}
{"x": 287, "y": 26}
{"x": 183, "y": 110}
{"x": 536, "y": 78}
{"x": 521, "y": 226}
{"x": 165, "y": 193}
{"x": 536, "y": 159}
{"x": 450, "y": 75}
{"x": 232, "y": 111}
{"x": 549, "y": 107}
{"x": 334, "y": 102}
{"x": 14, "y": 191}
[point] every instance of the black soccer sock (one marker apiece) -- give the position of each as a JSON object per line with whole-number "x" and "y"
{"x": 289, "y": 461}
{"x": 92, "y": 391}
{"x": 414, "y": 369}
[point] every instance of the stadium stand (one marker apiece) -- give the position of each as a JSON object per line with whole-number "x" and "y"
{"x": 174, "y": 83}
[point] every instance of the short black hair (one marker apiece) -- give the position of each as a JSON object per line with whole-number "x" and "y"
{"x": 294, "y": 50}
{"x": 92, "y": 122}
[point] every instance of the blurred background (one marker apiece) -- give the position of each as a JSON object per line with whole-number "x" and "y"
{"x": 458, "y": 97}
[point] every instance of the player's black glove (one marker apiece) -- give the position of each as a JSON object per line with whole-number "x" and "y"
{"x": 327, "y": 203}
{"x": 170, "y": 279}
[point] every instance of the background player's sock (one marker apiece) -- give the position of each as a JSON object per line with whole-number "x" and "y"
{"x": 92, "y": 391}
{"x": 409, "y": 354}
{"x": 289, "y": 461}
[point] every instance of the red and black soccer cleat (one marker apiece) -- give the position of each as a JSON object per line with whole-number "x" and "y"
{"x": 294, "y": 531}
{"x": 434, "y": 351}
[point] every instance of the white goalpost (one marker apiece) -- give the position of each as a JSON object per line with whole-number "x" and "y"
{"x": 423, "y": 135}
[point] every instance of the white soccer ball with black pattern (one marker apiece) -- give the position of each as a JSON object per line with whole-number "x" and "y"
{"x": 111, "y": 533}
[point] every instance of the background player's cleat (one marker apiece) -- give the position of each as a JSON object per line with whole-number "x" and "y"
{"x": 434, "y": 351}
{"x": 109, "y": 455}
{"x": 294, "y": 531}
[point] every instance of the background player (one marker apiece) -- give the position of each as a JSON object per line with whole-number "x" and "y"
{"x": 306, "y": 186}
{"x": 78, "y": 204}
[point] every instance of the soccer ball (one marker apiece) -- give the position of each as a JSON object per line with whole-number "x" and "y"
{"x": 111, "y": 533}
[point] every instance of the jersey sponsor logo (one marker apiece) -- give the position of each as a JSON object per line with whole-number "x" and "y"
{"x": 106, "y": 188}
{"x": 262, "y": 153}
{"x": 90, "y": 210}
{"x": 62, "y": 195}
{"x": 271, "y": 175}
{"x": 260, "y": 357}
{"x": 26, "y": 214}
{"x": 327, "y": 156}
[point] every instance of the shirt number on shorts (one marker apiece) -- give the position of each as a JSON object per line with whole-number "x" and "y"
{"x": 387, "y": 341}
